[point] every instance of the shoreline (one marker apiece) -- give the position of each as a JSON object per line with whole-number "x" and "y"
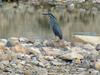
{"x": 21, "y": 56}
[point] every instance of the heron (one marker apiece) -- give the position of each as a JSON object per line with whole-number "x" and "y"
{"x": 54, "y": 25}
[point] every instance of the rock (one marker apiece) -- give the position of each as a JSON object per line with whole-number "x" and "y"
{"x": 87, "y": 63}
{"x": 62, "y": 44}
{"x": 97, "y": 64}
{"x": 71, "y": 56}
{"x": 88, "y": 47}
{"x": 13, "y": 63}
{"x": 2, "y": 66}
{"x": 38, "y": 43}
{"x": 85, "y": 49}
{"x": 96, "y": 1}
{"x": 9, "y": 44}
{"x": 20, "y": 73}
{"x": 23, "y": 39}
{"x": 57, "y": 63}
{"x": 90, "y": 72}
{"x": 41, "y": 64}
{"x": 51, "y": 51}
{"x": 94, "y": 40}
{"x": 19, "y": 48}
{"x": 35, "y": 51}
{"x": 48, "y": 43}
{"x": 20, "y": 66}
{"x": 27, "y": 45}
{"x": 70, "y": 7}
{"x": 80, "y": 1}
{"x": 28, "y": 72}
{"x": 43, "y": 58}
{"x": 5, "y": 62}
{"x": 97, "y": 47}
{"x": 77, "y": 61}
{"x": 34, "y": 60}
{"x": 77, "y": 49}
{"x": 42, "y": 72}
{"x": 47, "y": 65}
{"x": 23, "y": 62}
{"x": 12, "y": 55}
{"x": 49, "y": 58}
{"x": 5, "y": 57}
{"x": 13, "y": 40}
{"x": 22, "y": 56}
{"x": 2, "y": 46}
{"x": 6, "y": 42}
{"x": 94, "y": 53}
{"x": 39, "y": 61}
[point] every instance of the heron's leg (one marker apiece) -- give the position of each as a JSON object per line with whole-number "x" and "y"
{"x": 57, "y": 39}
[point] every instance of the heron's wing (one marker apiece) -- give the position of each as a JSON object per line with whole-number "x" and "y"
{"x": 52, "y": 21}
{"x": 57, "y": 30}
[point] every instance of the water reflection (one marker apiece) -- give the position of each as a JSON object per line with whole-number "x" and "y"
{"x": 29, "y": 22}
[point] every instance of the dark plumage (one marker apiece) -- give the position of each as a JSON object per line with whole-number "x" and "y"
{"x": 54, "y": 25}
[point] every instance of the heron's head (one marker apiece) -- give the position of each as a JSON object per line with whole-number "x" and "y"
{"x": 49, "y": 14}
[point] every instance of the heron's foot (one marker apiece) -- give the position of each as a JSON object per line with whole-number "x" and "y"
{"x": 56, "y": 39}
{"x": 62, "y": 43}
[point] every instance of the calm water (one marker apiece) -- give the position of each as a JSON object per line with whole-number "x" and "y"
{"x": 29, "y": 22}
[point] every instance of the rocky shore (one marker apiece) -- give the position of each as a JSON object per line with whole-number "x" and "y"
{"x": 22, "y": 56}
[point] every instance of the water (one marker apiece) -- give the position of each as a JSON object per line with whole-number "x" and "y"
{"x": 29, "y": 22}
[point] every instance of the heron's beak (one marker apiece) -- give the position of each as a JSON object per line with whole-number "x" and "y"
{"x": 45, "y": 13}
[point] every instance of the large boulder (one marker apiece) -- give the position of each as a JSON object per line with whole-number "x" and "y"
{"x": 94, "y": 40}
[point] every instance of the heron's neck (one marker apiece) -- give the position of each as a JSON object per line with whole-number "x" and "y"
{"x": 52, "y": 20}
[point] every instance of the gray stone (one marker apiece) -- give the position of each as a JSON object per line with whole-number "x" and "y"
{"x": 13, "y": 40}
{"x": 96, "y": 1}
{"x": 71, "y": 56}
{"x": 41, "y": 64}
{"x": 4, "y": 41}
{"x": 29, "y": 45}
{"x": 70, "y": 7}
{"x": 35, "y": 51}
{"x": 97, "y": 47}
{"x": 13, "y": 63}
{"x": 90, "y": 72}
{"x": 34, "y": 60}
{"x": 49, "y": 58}
{"x": 5, "y": 62}
{"x": 23, "y": 39}
{"x": 42, "y": 72}
{"x": 57, "y": 63}
{"x": 80, "y": 1}
{"x": 38, "y": 43}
